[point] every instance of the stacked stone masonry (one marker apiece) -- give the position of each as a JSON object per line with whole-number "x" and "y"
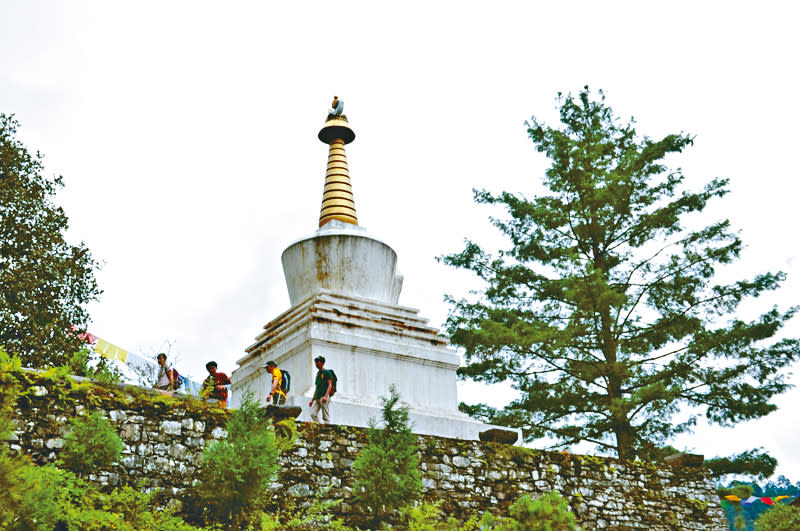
{"x": 163, "y": 444}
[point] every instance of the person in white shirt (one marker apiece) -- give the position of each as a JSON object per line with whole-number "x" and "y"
{"x": 166, "y": 378}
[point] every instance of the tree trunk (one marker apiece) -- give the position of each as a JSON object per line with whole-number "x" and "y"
{"x": 624, "y": 435}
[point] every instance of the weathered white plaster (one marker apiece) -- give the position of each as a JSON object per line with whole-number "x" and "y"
{"x": 342, "y": 258}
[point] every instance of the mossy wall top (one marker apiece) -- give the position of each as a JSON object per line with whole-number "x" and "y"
{"x": 164, "y": 437}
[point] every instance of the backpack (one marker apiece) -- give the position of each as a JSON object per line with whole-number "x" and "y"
{"x": 334, "y": 379}
{"x": 286, "y": 381}
{"x": 177, "y": 378}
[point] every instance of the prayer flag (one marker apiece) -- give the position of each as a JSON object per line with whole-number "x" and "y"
{"x": 110, "y": 351}
{"x": 768, "y": 501}
{"x": 731, "y": 497}
{"x": 783, "y": 497}
{"x": 750, "y": 500}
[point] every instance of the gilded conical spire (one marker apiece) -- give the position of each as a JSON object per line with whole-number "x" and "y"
{"x": 337, "y": 197}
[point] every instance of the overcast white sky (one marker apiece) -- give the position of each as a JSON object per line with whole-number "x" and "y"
{"x": 186, "y": 135}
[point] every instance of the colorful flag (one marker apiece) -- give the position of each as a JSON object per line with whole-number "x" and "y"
{"x": 768, "y": 501}
{"x": 110, "y": 351}
{"x": 731, "y": 497}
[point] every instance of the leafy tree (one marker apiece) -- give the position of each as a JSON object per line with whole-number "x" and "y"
{"x": 91, "y": 444}
{"x": 44, "y": 281}
{"x": 386, "y": 473}
{"x": 779, "y": 518}
{"x": 604, "y": 312}
{"x": 236, "y": 472}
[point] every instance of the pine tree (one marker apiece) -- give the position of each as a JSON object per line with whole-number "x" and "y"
{"x": 386, "y": 472}
{"x": 604, "y": 312}
{"x": 237, "y": 472}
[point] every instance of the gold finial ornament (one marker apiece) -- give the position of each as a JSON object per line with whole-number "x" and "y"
{"x": 337, "y": 197}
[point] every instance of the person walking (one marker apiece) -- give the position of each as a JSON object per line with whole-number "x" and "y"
{"x": 214, "y": 385}
{"x": 276, "y": 393}
{"x": 324, "y": 388}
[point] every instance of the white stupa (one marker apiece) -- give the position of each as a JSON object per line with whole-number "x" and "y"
{"x": 344, "y": 288}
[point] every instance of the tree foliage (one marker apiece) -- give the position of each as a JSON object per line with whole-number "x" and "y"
{"x": 236, "y": 472}
{"x": 91, "y": 444}
{"x": 44, "y": 281}
{"x": 549, "y": 512}
{"x": 753, "y": 462}
{"x": 13, "y": 468}
{"x": 386, "y": 473}
{"x": 779, "y": 518}
{"x": 604, "y": 311}
{"x": 58, "y": 499}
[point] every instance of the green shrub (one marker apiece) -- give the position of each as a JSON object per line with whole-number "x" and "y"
{"x": 236, "y": 472}
{"x": 13, "y": 485}
{"x": 429, "y": 517}
{"x": 91, "y": 444}
{"x": 317, "y": 515}
{"x": 386, "y": 473}
{"x": 53, "y": 495}
{"x": 547, "y": 513}
{"x": 101, "y": 370}
{"x": 779, "y": 518}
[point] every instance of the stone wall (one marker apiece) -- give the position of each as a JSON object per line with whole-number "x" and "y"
{"x": 163, "y": 439}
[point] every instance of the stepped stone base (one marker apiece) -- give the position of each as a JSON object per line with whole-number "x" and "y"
{"x": 371, "y": 345}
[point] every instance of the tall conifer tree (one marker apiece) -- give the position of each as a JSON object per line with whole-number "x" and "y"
{"x": 604, "y": 311}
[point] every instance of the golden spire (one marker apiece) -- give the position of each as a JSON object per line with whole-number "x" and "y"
{"x": 337, "y": 198}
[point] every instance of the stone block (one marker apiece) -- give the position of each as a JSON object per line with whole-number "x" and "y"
{"x": 129, "y": 432}
{"x": 177, "y": 451}
{"x": 299, "y": 490}
{"x": 282, "y": 412}
{"x": 171, "y": 427}
{"x": 54, "y": 443}
{"x": 461, "y": 461}
{"x": 498, "y": 435}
